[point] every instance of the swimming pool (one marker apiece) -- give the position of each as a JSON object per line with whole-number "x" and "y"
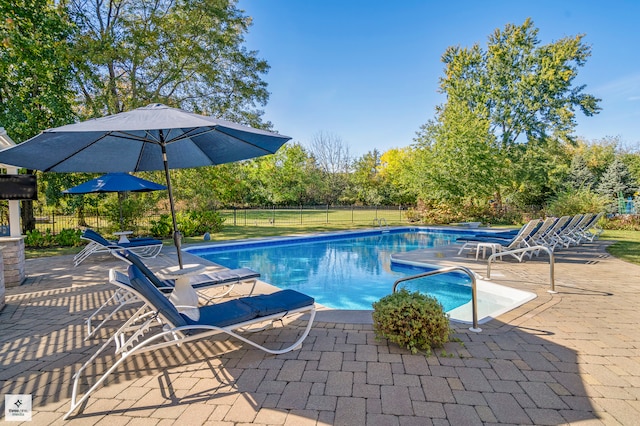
{"x": 341, "y": 270}
{"x": 351, "y": 270}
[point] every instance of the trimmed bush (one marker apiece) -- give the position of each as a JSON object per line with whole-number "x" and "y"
{"x": 415, "y": 321}
{"x": 66, "y": 238}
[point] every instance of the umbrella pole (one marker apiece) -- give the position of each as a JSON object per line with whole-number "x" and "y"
{"x": 120, "y": 196}
{"x": 176, "y": 233}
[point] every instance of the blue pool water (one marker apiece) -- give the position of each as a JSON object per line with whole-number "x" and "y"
{"x": 345, "y": 270}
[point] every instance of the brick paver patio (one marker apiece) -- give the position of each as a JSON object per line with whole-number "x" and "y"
{"x": 570, "y": 357}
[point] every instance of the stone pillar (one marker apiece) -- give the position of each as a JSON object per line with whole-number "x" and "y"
{"x": 13, "y": 260}
{"x": 2, "y": 289}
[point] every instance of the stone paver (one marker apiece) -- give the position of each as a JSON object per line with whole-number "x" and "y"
{"x": 570, "y": 357}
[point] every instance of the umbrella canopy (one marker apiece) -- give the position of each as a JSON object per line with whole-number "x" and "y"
{"x": 115, "y": 182}
{"x": 155, "y": 137}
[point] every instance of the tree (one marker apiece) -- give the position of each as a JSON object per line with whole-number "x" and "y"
{"x": 394, "y": 169}
{"x": 524, "y": 89}
{"x": 185, "y": 53}
{"x": 616, "y": 181}
{"x": 367, "y": 185}
{"x": 35, "y": 73}
{"x": 288, "y": 175}
{"x": 597, "y": 154}
{"x": 332, "y": 157}
{"x": 580, "y": 177}
{"x": 517, "y": 101}
{"x": 457, "y": 159}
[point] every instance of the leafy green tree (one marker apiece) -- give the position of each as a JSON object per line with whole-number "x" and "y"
{"x": 213, "y": 187}
{"x": 519, "y": 100}
{"x": 185, "y": 53}
{"x": 524, "y": 89}
{"x": 631, "y": 158}
{"x": 35, "y": 69}
{"x": 368, "y": 186}
{"x": 288, "y": 174}
{"x": 394, "y": 169}
{"x": 597, "y": 154}
{"x": 537, "y": 170}
{"x": 457, "y": 158}
{"x": 35, "y": 73}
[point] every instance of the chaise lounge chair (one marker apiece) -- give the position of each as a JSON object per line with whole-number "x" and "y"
{"x": 158, "y": 324}
{"x": 499, "y": 244}
{"x": 145, "y": 247}
{"x": 224, "y": 278}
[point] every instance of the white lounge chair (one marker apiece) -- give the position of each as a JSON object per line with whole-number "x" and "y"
{"x": 144, "y": 247}
{"x": 522, "y": 239}
{"x": 201, "y": 283}
{"x": 158, "y": 324}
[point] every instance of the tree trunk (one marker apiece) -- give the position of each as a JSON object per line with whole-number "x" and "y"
{"x": 27, "y": 217}
{"x": 82, "y": 221}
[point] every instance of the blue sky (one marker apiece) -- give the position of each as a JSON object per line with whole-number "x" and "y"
{"x": 367, "y": 71}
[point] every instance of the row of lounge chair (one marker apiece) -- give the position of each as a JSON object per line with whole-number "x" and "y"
{"x": 551, "y": 232}
{"x": 157, "y": 323}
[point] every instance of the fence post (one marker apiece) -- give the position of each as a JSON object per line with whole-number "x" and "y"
{"x": 351, "y": 213}
{"x": 235, "y": 210}
{"x": 300, "y": 214}
{"x": 245, "y": 216}
{"x": 327, "y": 213}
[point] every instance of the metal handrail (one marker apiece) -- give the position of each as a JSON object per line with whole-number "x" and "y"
{"x": 474, "y": 296}
{"x": 379, "y": 222}
{"x": 523, "y": 250}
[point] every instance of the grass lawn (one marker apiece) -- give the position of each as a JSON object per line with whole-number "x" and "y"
{"x": 626, "y": 247}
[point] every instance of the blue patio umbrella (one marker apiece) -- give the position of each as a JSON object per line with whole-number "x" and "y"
{"x": 155, "y": 137}
{"x": 115, "y": 182}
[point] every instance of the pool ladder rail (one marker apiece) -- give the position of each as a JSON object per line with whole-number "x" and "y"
{"x": 380, "y": 222}
{"x": 531, "y": 249}
{"x": 474, "y": 294}
{"x": 474, "y": 297}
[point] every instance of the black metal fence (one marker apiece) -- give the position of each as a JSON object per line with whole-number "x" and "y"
{"x": 268, "y": 216}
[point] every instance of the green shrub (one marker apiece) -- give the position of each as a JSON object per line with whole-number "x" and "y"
{"x": 206, "y": 221}
{"x": 190, "y": 223}
{"x": 578, "y": 201}
{"x": 623, "y": 222}
{"x": 66, "y": 238}
{"x": 412, "y": 320}
{"x": 37, "y": 239}
{"x": 69, "y": 238}
{"x": 162, "y": 227}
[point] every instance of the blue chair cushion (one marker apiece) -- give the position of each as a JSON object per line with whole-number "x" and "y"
{"x": 224, "y": 314}
{"x": 164, "y": 285}
{"x": 149, "y": 291}
{"x": 221, "y": 314}
{"x": 281, "y": 301}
